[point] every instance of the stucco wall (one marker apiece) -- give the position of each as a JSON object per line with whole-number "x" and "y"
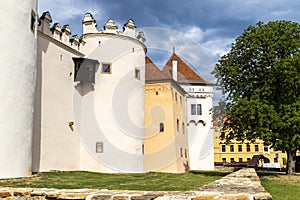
{"x": 56, "y": 143}
{"x": 165, "y": 151}
{"x": 200, "y": 128}
{"x": 112, "y": 109}
{"x": 18, "y": 68}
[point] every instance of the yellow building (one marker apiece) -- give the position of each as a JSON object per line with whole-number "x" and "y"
{"x": 166, "y": 140}
{"x": 237, "y": 151}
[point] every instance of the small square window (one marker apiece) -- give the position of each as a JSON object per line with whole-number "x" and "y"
{"x": 193, "y": 109}
{"x": 223, "y": 159}
{"x": 256, "y": 148}
{"x": 248, "y": 147}
{"x": 161, "y": 127}
{"x": 99, "y": 147}
{"x": 231, "y": 148}
{"x": 199, "y": 109}
{"x": 232, "y": 160}
{"x": 106, "y": 68}
{"x": 240, "y": 159}
{"x": 240, "y": 148}
{"x": 137, "y": 73}
{"x": 223, "y": 148}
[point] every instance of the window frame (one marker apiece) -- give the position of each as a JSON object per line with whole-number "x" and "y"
{"x": 99, "y": 147}
{"x": 102, "y": 68}
{"x": 161, "y": 127}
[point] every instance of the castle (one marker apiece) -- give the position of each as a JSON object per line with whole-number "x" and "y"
{"x": 97, "y": 102}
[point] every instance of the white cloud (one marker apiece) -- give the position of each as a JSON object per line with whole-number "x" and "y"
{"x": 68, "y": 9}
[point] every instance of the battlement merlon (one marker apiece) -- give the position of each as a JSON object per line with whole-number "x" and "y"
{"x": 89, "y": 26}
{"x": 63, "y": 33}
{"x": 59, "y": 34}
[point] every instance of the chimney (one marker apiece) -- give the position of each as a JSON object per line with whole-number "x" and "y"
{"x": 174, "y": 70}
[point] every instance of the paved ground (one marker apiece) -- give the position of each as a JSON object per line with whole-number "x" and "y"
{"x": 241, "y": 185}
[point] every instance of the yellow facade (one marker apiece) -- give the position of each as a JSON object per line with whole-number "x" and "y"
{"x": 236, "y": 151}
{"x": 166, "y": 141}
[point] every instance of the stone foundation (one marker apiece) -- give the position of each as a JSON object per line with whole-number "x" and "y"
{"x": 243, "y": 185}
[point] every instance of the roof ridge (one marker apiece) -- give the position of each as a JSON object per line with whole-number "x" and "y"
{"x": 185, "y": 72}
{"x": 152, "y": 72}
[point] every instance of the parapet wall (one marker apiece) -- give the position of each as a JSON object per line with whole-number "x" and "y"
{"x": 63, "y": 33}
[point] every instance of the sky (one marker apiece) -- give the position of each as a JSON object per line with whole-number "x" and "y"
{"x": 200, "y": 30}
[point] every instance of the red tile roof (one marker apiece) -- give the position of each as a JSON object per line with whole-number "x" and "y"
{"x": 185, "y": 74}
{"x": 153, "y": 72}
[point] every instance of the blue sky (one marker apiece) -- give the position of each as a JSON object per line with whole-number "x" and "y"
{"x": 200, "y": 30}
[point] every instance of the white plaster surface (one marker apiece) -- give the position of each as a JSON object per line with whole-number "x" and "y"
{"x": 18, "y": 72}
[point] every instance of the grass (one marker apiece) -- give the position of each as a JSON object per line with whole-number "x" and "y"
{"x": 147, "y": 182}
{"x": 281, "y": 186}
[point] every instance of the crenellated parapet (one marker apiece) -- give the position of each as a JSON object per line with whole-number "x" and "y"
{"x": 63, "y": 33}
{"x": 89, "y": 26}
{"x": 58, "y": 33}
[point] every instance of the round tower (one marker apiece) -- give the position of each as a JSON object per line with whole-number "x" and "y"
{"x": 17, "y": 87}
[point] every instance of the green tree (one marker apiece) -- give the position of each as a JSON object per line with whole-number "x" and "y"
{"x": 260, "y": 79}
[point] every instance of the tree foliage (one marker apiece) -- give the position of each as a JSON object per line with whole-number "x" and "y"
{"x": 260, "y": 78}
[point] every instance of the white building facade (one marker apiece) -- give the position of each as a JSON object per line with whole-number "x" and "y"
{"x": 90, "y": 98}
{"x": 18, "y": 73}
{"x": 199, "y": 105}
{"x": 78, "y": 103}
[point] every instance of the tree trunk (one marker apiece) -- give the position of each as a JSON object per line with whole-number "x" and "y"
{"x": 291, "y": 162}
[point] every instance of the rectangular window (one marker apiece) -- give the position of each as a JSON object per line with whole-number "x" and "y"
{"x": 161, "y": 127}
{"x": 266, "y": 149}
{"x": 199, "y": 109}
{"x": 183, "y": 131}
{"x": 275, "y": 160}
{"x": 248, "y": 159}
{"x": 240, "y": 148}
{"x": 223, "y": 148}
{"x": 231, "y": 148}
{"x": 248, "y": 147}
{"x": 185, "y": 153}
{"x": 181, "y": 153}
{"x": 256, "y": 148}
{"x": 232, "y": 160}
{"x": 223, "y": 159}
{"x": 106, "y": 68}
{"x": 143, "y": 149}
{"x": 193, "y": 109}
{"x": 180, "y": 100}
{"x": 99, "y": 147}
{"x": 137, "y": 74}
{"x": 240, "y": 159}
{"x": 32, "y": 21}
{"x": 178, "y": 125}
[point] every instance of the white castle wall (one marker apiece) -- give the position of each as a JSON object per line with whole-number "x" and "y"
{"x": 112, "y": 111}
{"x": 200, "y": 136}
{"x": 74, "y": 116}
{"x": 56, "y": 143}
{"x": 18, "y": 72}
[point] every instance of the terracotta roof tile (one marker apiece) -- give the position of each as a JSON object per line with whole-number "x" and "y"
{"x": 184, "y": 72}
{"x": 153, "y": 72}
